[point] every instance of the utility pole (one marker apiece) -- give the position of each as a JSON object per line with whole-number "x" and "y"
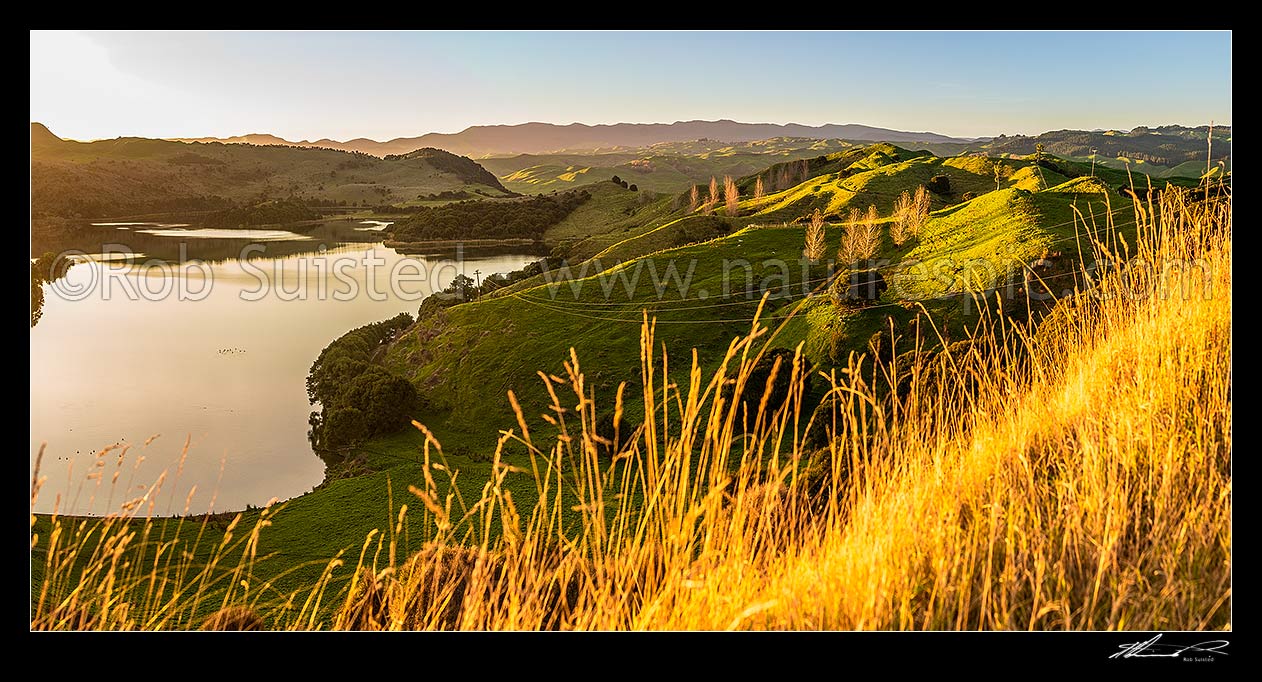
{"x": 1209, "y": 157}
{"x": 477, "y": 274}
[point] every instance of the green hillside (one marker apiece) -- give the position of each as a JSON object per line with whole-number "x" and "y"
{"x": 1162, "y": 151}
{"x": 666, "y": 167}
{"x": 702, "y": 277}
{"x": 468, "y": 357}
{"x": 137, "y": 175}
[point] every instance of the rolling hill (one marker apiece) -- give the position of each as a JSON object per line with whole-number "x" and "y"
{"x": 548, "y": 138}
{"x": 663, "y": 167}
{"x": 137, "y": 175}
{"x": 1163, "y": 151}
{"x": 622, "y": 248}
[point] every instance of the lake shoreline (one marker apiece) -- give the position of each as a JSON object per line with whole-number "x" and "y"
{"x": 250, "y": 404}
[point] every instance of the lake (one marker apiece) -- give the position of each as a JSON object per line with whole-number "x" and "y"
{"x": 216, "y": 350}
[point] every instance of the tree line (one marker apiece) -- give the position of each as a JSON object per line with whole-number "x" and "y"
{"x": 275, "y": 212}
{"x": 518, "y": 219}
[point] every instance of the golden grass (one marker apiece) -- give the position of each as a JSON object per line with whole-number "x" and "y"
{"x": 1070, "y": 476}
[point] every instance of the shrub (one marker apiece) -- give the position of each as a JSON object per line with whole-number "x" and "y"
{"x": 760, "y": 377}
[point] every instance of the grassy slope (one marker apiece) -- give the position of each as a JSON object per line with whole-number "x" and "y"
{"x": 612, "y": 211}
{"x": 1088, "y": 490}
{"x": 467, "y": 362}
{"x": 611, "y": 216}
{"x": 877, "y": 180}
{"x": 487, "y": 348}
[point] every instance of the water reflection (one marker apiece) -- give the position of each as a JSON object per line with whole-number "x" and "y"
{"x": 227, "y": 370}
{"x": 46, "y": 269}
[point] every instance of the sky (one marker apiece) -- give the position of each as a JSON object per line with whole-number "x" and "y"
{"x": 382, "y": 85}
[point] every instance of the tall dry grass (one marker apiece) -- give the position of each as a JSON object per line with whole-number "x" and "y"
{"x": 1070, "y": 475}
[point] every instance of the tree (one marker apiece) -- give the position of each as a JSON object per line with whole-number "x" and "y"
{"x": 1038, "y": 164}
{"x": 759, "y": 191}
{"x": 341, "y": 427}
{"x": 694, "y": 197}
{"x": 617, "y": 180}
{"x": 900, "y": 229}
{"x": 731, "y": 195}
{"x": 713, "y": 199}
{"x": 463, "y": 286}
{"x": 358, "y": 398}
{"x": 871, "y": 232}
{"x": 848, "y": 253}
{"x": 815, "y": 242}
{"x": 1002, "y": 172}
{"x": 633, "y": 188}
{"x": 920, "y": 205}
{"x": 861, "y": 237}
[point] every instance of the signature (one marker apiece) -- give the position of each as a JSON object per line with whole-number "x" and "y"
{"x": 1154, "y": 649}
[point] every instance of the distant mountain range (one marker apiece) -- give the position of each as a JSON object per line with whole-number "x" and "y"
{"x": 131, "y": 176}
{"x": 549, "y": 138}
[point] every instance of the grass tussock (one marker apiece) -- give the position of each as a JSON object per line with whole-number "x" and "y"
{"x": 1073, "y": 474}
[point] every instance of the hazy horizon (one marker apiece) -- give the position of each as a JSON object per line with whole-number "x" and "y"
{"x": 385, "y": 85}
{"x": 52, "y": 128}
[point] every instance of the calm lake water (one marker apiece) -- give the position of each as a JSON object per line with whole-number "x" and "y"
{"x": 118, "y": 357}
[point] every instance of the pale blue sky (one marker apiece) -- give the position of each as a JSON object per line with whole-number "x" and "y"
{"x": 308, "y": 85}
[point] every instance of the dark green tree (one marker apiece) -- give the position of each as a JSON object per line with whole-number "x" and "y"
{"x": 463, "y": 286}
